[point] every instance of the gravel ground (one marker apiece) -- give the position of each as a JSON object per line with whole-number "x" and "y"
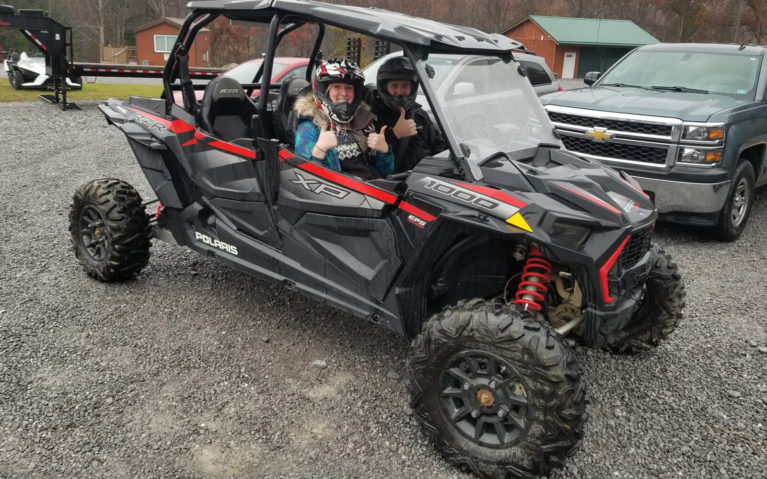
{"x": 193, "y": 370}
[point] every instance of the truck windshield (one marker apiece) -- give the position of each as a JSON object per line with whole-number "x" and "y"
{"x": 488, "y": 104}
{"x": 691, "y": 72}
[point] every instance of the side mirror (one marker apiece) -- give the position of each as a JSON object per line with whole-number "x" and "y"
{"x": 591, "y": 78}
{"x": 464, "y": 89}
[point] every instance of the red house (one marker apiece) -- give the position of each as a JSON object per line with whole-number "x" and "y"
{"x": 574, "y": 46}
{"x": 154, "y": 41}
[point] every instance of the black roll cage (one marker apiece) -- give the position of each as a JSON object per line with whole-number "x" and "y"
{"x": 177, "y": 68}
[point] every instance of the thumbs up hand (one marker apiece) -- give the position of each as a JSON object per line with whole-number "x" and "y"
{"x": 377, "y": 141}
{"x": 404, "y": 127}
{"x": 326, "y": 140}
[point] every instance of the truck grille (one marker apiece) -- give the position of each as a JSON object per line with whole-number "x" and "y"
{"x": 613, "y": 125}
{"x": 616, "y": 150}
{"x": 638, "y": 245}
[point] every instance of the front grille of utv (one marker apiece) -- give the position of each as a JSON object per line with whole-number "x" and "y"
{"x": 638, "y": 245}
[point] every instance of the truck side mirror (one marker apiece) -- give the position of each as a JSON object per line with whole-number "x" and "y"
{"x": 591, "y": 78}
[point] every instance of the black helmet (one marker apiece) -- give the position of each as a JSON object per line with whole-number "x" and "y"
{"x": 338, "y": 70}
{"x": 397, "y": 68}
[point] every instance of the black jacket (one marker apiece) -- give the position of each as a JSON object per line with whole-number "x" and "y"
{"x": 407, "y": 151}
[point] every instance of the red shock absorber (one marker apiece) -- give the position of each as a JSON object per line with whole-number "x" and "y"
{"x": 535, "y": 275}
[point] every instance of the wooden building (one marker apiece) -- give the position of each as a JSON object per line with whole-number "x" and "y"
{"x": 574, "y": 46}
{"x": 154, "y": 41}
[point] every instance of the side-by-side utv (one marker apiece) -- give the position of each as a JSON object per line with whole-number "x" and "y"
{"x": 494, "y": 255}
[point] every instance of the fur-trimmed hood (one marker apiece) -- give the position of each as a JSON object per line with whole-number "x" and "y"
{"x": 307, "y": 107}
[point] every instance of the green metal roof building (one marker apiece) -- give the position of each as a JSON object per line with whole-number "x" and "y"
{"x": 574, "y": 46}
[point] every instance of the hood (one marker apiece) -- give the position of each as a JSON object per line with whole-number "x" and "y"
{"x": 581, "y": 189}
{"x": 684, "y": 106}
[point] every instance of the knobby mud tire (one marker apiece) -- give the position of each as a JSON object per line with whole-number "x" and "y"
{"x": 123, "y": 230}
{"x": 552, "y": 382}
{"x": 660, "y": 312}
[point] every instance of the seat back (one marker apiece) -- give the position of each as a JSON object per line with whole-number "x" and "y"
{"x": 226, "y": 110}
{"x": 284, "y": 115}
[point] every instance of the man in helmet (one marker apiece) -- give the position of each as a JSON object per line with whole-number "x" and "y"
{"x": 336, "y": 128}
{"x": 411, "y": 133}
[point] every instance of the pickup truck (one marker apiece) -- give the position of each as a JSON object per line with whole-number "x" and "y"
{"x": 688, "y": 121}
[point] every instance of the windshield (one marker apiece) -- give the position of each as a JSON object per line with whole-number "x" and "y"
{"x": 488, "y": 105}
{"x": 245, "y": 72}
{"x": 722, "y": 73}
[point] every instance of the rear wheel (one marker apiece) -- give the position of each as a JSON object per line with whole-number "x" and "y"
{"x": 734, "y": 215}
{"x": 497, "y": 391}
{"x": 660, "y": 311}
{"x": 78, "y": 80}
{"x": 109, "y": 230}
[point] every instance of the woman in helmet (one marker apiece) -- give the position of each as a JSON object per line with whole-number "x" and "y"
{"x": 336, "y": 128}
{"x": 411, "y": 133}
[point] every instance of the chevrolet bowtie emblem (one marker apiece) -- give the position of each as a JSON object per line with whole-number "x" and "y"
{"x": 598, "y": 134}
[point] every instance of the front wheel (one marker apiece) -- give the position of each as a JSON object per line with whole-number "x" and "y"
{"x": 15, "y": 79}
{"x": 734, "y": 215}
{"x": 496, "y": 390}
{"x": 109, "y": 230}
{"x": 660, "y": 310}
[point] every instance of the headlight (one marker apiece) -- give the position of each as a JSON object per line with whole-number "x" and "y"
{"x": 700, "y": 157}
{"x": 703, "y": 133}
{"x": 569, "y": 234}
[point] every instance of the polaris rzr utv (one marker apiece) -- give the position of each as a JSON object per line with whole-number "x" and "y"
{"x": 494, "y": 255}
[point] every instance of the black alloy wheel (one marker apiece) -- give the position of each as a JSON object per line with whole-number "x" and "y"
{"x": 486, "y": 398}
{"x": 93, "y": 234}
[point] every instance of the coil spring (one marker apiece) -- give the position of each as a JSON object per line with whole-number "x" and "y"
{"x": 532, "y": 286}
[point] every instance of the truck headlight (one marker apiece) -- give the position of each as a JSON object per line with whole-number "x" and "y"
{"x": 703, "y": 133}
{"x": 700, "y": 157}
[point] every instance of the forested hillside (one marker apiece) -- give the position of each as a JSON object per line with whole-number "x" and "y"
{"x": 113, "y": 22}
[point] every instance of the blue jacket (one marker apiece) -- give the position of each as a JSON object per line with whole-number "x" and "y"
{"x": 308, "y": 132}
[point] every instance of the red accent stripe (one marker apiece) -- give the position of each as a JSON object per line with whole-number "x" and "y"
{"x": 493, "y": 193}
{"x": 193, "y": 141}
{"x": 629, "y": 183}
{"x": 237, "y": 150}
{"x": 180, "y": 126}
{"x": 349, "y": 183}
{"x": 284, "y": 155}
{"x": 606, "y": 269}
{"x": 198, "y": 135}
{"x": 413, "y": 210}
{"x": 591, "y": 198}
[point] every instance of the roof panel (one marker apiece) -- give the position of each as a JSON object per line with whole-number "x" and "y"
{"x": 593, "y": 31}
{"x": 396, "y": 27}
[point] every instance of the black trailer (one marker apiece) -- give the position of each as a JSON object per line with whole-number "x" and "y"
{"x": 55, "y": 42}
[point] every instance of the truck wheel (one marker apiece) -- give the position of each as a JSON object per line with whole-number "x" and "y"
{"x": 659, "y": 312}
{"x": 734, "y": 215}
{"x": 15, "y": 79}
{"x": 496, "y": 391}
{"x": 109, "y": 229}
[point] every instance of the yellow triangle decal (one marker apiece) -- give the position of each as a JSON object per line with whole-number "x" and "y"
{"x": 519, "y": 222}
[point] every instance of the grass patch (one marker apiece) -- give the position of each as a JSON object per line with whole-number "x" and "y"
{"x": 90, "y": 91}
